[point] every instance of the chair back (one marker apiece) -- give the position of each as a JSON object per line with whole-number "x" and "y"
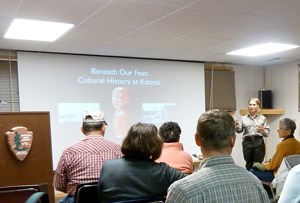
{"x": 292, "y": 160}
{"x": 16, "y": 195}
{"x": 286, "y": 165}
{"x": 14, "y": 187}
{"x": 87, "y": 192}
{"x": 38, "y": 197}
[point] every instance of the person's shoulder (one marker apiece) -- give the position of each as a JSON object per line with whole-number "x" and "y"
{"x": 160, "y": 164}
{"x": 186, "y": 156}
{"x": 295, "y": 140}
{"x": 109, "y": 143}
{"x": 289, "y": 142}
{"x": 295, "y": 171}
{"x": 238, "y": 171}
{"x": 163, "y": 167}
{"x": 189, "y": 182}
{"x": 72, "y": 148}
{"x": 248, "y": 177}
{"x": 261, "y": 116}
{"x": 112, "y": 162}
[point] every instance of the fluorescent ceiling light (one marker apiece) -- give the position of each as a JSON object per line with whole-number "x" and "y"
{"x": 263, "y": 49}
{"x": 36, "y": 30}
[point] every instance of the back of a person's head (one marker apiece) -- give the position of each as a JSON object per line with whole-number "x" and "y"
{"x": 142, "y": 142}
{"x": 170, "y": 132}
{"x": 215, "y": 129}
{"x": 89, "y": 126}
{"x": 93, "y": 120}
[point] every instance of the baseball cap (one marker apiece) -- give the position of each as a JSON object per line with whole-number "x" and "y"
{"x": 94, "y": 115}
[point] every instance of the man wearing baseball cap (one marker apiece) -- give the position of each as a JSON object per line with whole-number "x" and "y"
{"x": 83, "y": 161}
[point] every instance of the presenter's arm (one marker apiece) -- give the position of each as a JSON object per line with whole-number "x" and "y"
{"x": 239, "y": 126}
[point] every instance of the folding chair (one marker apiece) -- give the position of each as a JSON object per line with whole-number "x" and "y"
{"x": 87, "y": 193}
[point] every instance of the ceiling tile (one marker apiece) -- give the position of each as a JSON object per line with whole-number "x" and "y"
{"x": 130, "y": 14}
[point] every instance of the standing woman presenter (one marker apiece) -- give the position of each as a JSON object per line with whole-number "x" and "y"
{"x": 254, "y": 127}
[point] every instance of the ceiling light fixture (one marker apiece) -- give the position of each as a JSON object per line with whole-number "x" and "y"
{"x": 263, "y": 49}
{"x": 36, "y": 30}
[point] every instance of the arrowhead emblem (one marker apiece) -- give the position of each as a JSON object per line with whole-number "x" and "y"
{"x": 19, "y": 141}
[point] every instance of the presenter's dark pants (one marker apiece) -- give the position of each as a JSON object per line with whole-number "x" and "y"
{"x": 253, "y": 150}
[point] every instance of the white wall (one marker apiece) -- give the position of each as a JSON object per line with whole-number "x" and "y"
{"x": 248, "y": 80}
{"x": 283, "y": 81}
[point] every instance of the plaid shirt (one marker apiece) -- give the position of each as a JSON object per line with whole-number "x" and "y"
{"x": 82, "y": 162}
{"x": 218, "y": 180}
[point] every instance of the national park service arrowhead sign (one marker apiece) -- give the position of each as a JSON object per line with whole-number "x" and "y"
{"x": 19, "y": 141}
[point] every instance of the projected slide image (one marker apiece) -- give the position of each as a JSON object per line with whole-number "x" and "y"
{"x": 73, "y": 112}
{"x": 157, "y": 113}
{"x": 126, "y": 90}
{"x": 120, "y": 99}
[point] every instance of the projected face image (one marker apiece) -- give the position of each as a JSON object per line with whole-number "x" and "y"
{"x": 120, "y": 99}
{"x": 157, "y": 113}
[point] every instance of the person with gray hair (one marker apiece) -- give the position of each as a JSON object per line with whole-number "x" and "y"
{"x": 288, "y": 146}
{"x": 218, "y": 179}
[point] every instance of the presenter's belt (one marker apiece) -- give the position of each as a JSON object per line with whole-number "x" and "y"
{"x": 252, "y": 137}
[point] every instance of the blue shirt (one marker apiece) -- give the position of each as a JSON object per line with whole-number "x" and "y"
{"x": 290, "y": 192}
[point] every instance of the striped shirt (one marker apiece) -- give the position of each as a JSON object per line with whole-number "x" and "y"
{"x": 218, "y": 180}
{"x": 82, "y": 162}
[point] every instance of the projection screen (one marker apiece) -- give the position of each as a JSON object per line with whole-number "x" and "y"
{"x": 126, "y": 90}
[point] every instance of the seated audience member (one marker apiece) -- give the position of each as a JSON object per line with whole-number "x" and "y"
{"x": 172, "y": 152}
{"x": 286, "y": 165}
{"x": 290, "y": 192}
{"x": 137, "y": 175}
{"x": 288, "y": 146}
{"x": 81, "y": 162}
{"x": 218, "y": 179}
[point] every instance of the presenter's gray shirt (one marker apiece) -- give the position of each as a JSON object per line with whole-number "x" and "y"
{"x": 218, "y": 180}
{"x": 249, "y": 125}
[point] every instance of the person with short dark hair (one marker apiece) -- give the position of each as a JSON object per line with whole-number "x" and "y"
{"x": 172, "y": 152}
{"x": 137, "y": 175}
{"x": 218, "y": 179}
{"x": 81, "y": 162}
{"x": 288, "y": 146}
{"x": 254, "y": 127}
